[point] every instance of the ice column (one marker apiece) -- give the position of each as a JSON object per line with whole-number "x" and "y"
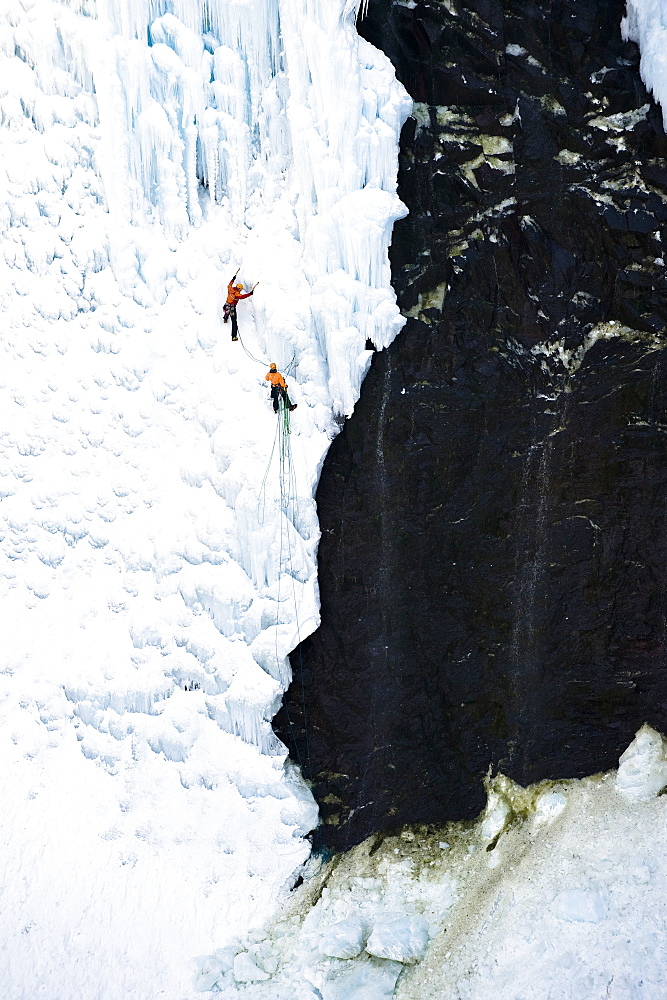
{"x": 646, "y": 24}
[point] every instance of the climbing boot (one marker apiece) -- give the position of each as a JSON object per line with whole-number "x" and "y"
{"x": 293, "y": 407}
{"x": 235, "y": 338}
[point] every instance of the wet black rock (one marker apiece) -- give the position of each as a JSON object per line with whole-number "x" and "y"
{"x": 492, "y": 564}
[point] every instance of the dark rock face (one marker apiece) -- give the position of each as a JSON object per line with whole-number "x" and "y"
{"x": 492, "y": 565}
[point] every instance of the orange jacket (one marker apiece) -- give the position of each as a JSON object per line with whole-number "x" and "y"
{"x": 275, "y": 378}
{"x": 234, "y": 296}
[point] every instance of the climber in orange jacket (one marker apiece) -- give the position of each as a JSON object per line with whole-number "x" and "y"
{"x": 234, "y": 295}
{"x": 278, "y": 388}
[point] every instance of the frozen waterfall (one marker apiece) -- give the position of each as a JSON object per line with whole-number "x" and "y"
{"x": 646, "y": 24}
{"x": 152, "y": 586}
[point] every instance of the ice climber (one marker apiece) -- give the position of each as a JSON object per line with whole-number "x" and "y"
{"x": 278, "y": 388}
{"x": 234, "y": 295}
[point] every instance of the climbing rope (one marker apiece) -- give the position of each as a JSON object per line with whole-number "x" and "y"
{"x": 286, "y": 470}
{"x": 289, "y": 370}
{"x": 252, "y": 357}
{"x": 288, "y": 497}
{"x": 287, "y": 512}
{"x": 287, "y": 515}
{"x": 261, "y": 499}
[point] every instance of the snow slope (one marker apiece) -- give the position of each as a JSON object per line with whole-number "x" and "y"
{"x": 557, "y": 892}
{"x": 157, "y": 561}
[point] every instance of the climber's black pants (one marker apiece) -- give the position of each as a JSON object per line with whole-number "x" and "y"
{"x": 276, "y": 392}
{"x": 229, "y": 309}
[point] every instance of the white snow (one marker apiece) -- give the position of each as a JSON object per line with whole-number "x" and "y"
{"x": 245, "y": 970}
{"x": 210, "y": 968}
{"x": 157, "y": 535}
{"x": 646, "y": 24}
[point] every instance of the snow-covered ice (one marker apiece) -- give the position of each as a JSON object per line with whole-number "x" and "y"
{"x": 646, "y": 23}
{"x": 399, "y": 937}
{"x": 157, "y": 561}
{"x": 344, "y": 939}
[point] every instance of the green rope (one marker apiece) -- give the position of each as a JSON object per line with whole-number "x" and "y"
{"x": 261, "y": 499}
{"x": 287, "y": 512}
{"x": 288, "y": 496}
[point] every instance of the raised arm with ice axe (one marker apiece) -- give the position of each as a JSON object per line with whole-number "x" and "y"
{"x": 234, "y": 295}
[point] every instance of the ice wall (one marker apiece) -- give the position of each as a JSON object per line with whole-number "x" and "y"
{"x": 155, "y": 567}
{"x": 646, "y": 24}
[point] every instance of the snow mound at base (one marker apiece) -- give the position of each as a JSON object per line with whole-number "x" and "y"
{"x": 558, "y": 890}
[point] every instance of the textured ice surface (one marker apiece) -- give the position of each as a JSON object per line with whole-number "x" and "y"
{"x": 368, "y": 979}
{"x": 157, "y": 562}
{"x": 344, "y": 939}
{"x": 399, "y": 937}
{"x": 642, "y": 770}
{"x": 245, "y": 970}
